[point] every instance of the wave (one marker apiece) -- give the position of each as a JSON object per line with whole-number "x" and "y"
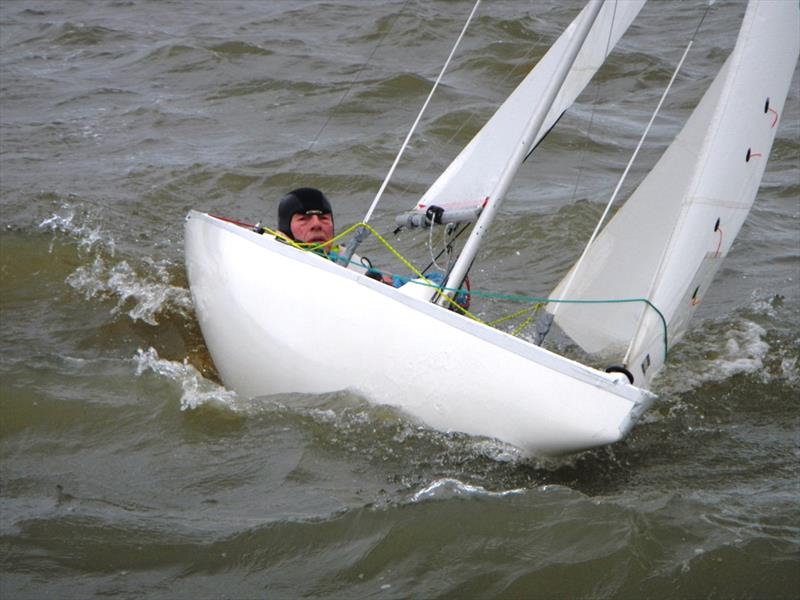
{"x": 142, "y": 293}
{"x": 720, "y": 350}
{"x": 80, "y": 34}
{"x": 196, "y": 390}
{"x": 447, "y": 488}
{"x": 151, "y": 293}
{"x": 235, "y": 48}
{"x": 714, "y": 353}
{"x": 78, "y": 225}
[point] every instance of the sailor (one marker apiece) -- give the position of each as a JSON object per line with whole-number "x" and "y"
{"x": 305, "y": 215}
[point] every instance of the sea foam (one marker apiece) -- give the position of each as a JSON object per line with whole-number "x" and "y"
{"x": 142, "y": 293}
{"x": 448, "y": 488}
{"x": 715, "y": 353}
{"x": 81, "y": 227}
{"x": 196, "y": 389}
{"x": 150, "y": 293}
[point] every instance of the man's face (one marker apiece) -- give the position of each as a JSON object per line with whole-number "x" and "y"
{"x": 313, "y": 228}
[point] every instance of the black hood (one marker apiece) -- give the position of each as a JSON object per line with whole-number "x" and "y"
{"x": 301, "y": 201}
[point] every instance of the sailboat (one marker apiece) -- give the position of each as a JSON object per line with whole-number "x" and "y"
{"x": 630, "y": 296}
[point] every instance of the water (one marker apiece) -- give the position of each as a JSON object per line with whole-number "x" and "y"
{"x": 128, "y": 470}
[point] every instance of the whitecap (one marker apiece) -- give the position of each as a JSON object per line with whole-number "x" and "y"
{"x": 89, "y": 236}
{"x": 151, "y": 294}
{"x": 789, "y": 370}
{"x": 196, "y": 389}
{"x": 498, "y": 451}
{"x": 449, "y": 488}
{"x": 717, "y": 353}
{"x": 745, "y": 350}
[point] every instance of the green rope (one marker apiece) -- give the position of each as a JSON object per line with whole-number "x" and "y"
{"x": 538, "y": 301}
{"x": 319, "y": 248}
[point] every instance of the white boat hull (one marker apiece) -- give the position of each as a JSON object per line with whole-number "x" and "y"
{"x": 277, "y": 320}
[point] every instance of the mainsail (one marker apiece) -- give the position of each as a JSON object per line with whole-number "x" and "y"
{"x": 668, "y": 240}
{"x": 472, "y": 179}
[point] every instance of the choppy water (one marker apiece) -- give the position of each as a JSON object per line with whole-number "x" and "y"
{"x": 129, "y": 471}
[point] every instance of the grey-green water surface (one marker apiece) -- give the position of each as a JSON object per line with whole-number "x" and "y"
{"x": 127, "y": 470}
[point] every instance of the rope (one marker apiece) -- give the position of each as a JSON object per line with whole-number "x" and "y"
{"x": 527, "y": 321}
{"x": 314, "y": 247}
{"x": 425, "y": 281}
{"x": 421, "y": 112}
{"x": 625, "y": 172}
{"x": 513, "y": 315}
{"x": 537, "y": 300}
{"x": 443, "y": 291}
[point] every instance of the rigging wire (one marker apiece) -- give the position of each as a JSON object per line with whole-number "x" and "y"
{"x": 459, "y": 230}
{"x": 430, "y": 246}
{"x": 448, "y": 243}
{"x": 582, "y": 160}
{"x": 501, "y": 84}
{"x": 447, "y": 246}
{"x": 421, "y": 112}
{"x": 356, "y": 78}
{"x": 361, "y": 233}
{"x": 613, "y": 197}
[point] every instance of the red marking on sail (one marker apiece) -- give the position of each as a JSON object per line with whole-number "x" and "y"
{"x": 775, "y": 117}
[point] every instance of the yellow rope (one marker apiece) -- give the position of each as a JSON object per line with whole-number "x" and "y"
{"x": 527, "y": 321}
{"x": 416, "y": 272}
{"x": 528, "y": 309}
{"x": 311, "y": 247}
{"x": 514, "y": 315}
{"x": 539, "y": 301}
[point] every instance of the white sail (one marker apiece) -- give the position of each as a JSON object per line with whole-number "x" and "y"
{"x": 470, "y": 180}
{"x": 668, "y": 240}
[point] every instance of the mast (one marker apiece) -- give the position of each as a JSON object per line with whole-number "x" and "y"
{"x": 532, "y": 127}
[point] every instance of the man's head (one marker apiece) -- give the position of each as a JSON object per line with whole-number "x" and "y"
{"x": 305, "y": 215}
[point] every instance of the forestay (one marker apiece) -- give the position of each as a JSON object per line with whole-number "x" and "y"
{"x": 471, "y": 180}
{"x": 668, "y": 240}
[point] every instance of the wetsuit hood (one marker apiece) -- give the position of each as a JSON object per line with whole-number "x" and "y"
{"x": 309, "y": 201}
